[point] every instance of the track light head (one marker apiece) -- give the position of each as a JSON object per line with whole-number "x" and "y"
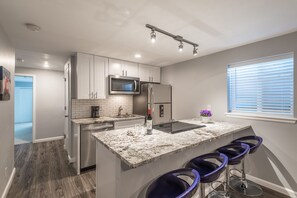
{"x": 195, "y": 50}
{"x": 153, "y": 36}
{"x": 181, "y": 46}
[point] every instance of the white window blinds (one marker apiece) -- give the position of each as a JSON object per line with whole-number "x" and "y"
{"x": 264, "y": 86}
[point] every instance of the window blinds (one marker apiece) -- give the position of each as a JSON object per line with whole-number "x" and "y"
{"x": 263, "y": 86}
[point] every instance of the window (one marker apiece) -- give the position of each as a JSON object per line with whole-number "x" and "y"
{"x": 262, "y": 87}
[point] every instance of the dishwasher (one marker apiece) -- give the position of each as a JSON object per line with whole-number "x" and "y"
{"x": 88, "y": 143}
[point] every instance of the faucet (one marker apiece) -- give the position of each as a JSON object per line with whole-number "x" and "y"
{"x": 120, "y": 111}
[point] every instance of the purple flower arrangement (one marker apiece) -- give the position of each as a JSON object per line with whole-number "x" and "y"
{"x": 205, "y": 113}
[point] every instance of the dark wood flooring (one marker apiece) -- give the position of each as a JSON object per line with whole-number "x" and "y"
{"x": 42, "y": 170}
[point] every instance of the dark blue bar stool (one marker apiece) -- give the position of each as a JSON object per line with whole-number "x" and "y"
{"x": 235, "y": 153}
{"x": 170, "y": 185}
{"x": 208, "y": 169}
{"x": 242, "y": 185}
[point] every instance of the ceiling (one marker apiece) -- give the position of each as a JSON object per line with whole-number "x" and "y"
{"x": 116, "y": 28}
{"x": 37, "y": 60}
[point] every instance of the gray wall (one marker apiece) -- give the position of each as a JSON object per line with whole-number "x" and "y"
{"x": 7, "y": 59}
{"x": 202, "y": 81}
{"x": 49, "y": 101}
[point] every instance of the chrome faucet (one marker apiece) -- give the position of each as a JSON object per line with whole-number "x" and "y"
{"x": 120, "y": 111}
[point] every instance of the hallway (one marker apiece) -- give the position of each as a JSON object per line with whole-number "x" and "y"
{"x": 23, "y": 133}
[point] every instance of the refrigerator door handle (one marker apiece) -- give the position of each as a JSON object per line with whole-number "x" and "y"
{"x": 152, "y": 100}
{"x": 135, "y": 85}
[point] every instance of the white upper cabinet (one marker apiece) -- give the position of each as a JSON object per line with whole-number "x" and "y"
{"x": 99, "y": 77}
{"x": 149, "y": 73}
{"x": 144, "y": 73}
{"x": 123, "y": 68}
{"x": 115, "y": 67}
{"x": 156, "y": 74}
{"x": 91, "y": 82}
{"x": 130, "y": 69}
{"x": 84, "y": 64}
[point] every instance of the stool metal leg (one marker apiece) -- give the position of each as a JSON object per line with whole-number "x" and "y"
{"x": 202, "y": 190}
{"x": 244, "y": 186}
{"x": 226, "y": 192}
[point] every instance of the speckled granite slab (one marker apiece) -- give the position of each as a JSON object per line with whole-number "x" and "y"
{"x": 104, "y": 119}
{"x": 136, "y": 149}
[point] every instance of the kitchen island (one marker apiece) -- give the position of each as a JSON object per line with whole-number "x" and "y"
{"x": 128, "y": 160}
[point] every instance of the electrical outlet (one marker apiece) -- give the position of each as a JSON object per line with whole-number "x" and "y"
{"x": 6, "y": 172}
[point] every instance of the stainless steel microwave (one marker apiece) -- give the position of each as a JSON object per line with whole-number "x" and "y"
{"x": 123, "y": 85}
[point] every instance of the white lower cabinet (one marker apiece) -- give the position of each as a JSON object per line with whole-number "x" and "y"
{"x": 91, "y": 81}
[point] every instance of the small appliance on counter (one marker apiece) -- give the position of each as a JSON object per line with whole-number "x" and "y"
{"x": 95, "y": 112}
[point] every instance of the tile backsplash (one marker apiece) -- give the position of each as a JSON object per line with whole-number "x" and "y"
{"x": 108, "y": 107}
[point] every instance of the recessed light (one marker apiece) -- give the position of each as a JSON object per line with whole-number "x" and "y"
{"x": 46, "y": 65}
{"x": 32, "y": 27}
{"x": 137, "y": 55}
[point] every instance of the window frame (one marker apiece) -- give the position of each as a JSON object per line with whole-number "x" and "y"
{"x": 262, "y": 116}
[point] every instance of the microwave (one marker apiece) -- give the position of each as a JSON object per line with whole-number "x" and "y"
{"x": 123, "y": 85}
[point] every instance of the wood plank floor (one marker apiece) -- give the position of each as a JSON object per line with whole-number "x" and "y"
{"x": 42, "y": 170}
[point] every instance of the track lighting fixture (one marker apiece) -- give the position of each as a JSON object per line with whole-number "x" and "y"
{"x": 195, "y": 50}
{"x": 153, "y": 36}
{"x": 178, "y": 38}
{"x": 180, "y": 46}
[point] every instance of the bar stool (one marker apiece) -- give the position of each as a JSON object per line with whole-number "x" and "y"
{"x": 242, "y": 185}
{"x": 235, "y": 153}
{"x": 170, "y": 185}
{"x": 209, "y": 170}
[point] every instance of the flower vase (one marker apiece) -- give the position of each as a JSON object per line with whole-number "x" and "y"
{"x": 205, "y": 119}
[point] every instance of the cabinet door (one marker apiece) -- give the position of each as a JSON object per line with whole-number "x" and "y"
{"x": 84, "y": 62}
{"x": 115, "y": 67}
{"x": 131, "y": 69}
{"x": 99, "y": 77}
{"x": 144, "y": 73}
{"x": 155, "y": 74}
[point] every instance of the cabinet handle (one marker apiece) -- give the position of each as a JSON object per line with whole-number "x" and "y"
{"x": 96, "y": 95}
{"x": 92, "y": 95}
{"x": 126, "y": 72}
{"x": 122, "y": 72}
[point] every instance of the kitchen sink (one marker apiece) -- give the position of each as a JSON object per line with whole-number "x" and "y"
{"x": 125, "y": 116}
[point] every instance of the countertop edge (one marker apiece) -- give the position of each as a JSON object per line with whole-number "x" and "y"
{"x": 169, "y": 153}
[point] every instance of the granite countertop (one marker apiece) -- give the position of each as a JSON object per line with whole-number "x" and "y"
{"x": 104, "y": 119}
{"x": 137, "y": 149}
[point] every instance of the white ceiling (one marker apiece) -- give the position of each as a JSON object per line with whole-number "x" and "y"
{"x": 37, "y": 60}
{"x": 116, "y": 28}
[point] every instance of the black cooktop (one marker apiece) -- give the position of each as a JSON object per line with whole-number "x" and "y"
{"x": 176, "y": 127}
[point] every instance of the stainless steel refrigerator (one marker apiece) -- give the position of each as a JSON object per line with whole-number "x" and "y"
{"x": 156, "y": 97}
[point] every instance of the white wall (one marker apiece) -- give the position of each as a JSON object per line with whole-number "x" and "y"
{"x": 7, "y": 59}
{"x": 49, "y": 101}
{"x": 202, "y": 81}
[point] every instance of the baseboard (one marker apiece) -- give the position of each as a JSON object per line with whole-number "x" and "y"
{"x": 49, "y": 139}
{"x": 272, "y": 186}
{"x": 8, "y": 185}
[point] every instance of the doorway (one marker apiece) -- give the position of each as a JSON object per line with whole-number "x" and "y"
{"x": 24, "y": 109}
